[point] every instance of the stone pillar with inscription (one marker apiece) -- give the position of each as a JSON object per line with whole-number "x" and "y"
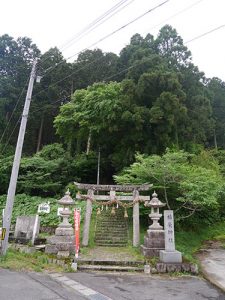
{"x": 170, "y": 254}
{"x": 154, "y": 239}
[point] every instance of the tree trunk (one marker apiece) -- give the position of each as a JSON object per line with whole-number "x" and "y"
{"x": 40, "y": 134}
{"x": 215, "y": 140}
{"x": 88, "y": 143}
{"x": 78, "y": 145}
{"x": 176, "y": 136}
{"x": 7, "y": 116}
{"x": 69, "y": 147}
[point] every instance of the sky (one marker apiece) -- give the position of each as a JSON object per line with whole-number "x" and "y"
{"x": 51, "y": 23}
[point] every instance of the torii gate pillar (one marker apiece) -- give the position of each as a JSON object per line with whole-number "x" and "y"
{"x": 136, "y": 220}
{"x": 87, "y": 219}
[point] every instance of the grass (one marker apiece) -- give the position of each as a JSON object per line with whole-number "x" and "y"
{"x": 37, "y": 262}
{"x": 189, "y": 242}
{"x": 44, "y": 235}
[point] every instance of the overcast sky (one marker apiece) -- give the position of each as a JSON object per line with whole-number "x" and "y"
{"x": 51, "y": 23}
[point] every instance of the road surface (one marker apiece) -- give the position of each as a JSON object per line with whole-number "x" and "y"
{"x": 99, "y": 286}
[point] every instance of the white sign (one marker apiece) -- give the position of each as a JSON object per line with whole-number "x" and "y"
{"x": 59, "y": 210}
{"x": 169, "y": 230}
{"x": 112, "y": 195}
{"x": 44, "y": 208}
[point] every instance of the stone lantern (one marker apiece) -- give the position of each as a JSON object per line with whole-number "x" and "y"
{"x": 62, "y": 243}
{"x": 155, "y": 204}
{"x": 65, "y": 228}
{"x": 154, "y": 240}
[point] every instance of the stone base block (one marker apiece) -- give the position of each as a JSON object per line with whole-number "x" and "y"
{"x": 161, "y": 268}
{"x": 185, "y": 267}
{"x": 64, "y": 231}
{"x": 64, "y": 246}
{"x": 51, "y": 249}
{"x": 194, "y": 269}
{"x": 56, "y": 244}
{"x": 155, "y": 239}
{"x": 56, "y": 239}
{"x": 149, "y": 252}
{"x": 170, "y": 256}
{"x": 170, "y": 268}
{"x": 54, "y": 249}
{"x": 63, "y": 254}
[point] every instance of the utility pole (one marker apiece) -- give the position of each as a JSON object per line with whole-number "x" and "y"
{"x": 16, "y": 162}
{"x": 98, "y": 172}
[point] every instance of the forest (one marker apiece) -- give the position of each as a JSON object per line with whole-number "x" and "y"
{"x": 149, "y": 113}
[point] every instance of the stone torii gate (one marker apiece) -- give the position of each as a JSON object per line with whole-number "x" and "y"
{"x": 90, "y": 197}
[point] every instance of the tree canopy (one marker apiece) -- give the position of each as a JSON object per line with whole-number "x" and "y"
{"x": 146, "y": 99}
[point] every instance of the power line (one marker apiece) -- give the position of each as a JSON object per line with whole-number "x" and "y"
{"x": 204, "y": 34}
{"x": 102, "y": 19}
{"x": 6, "y": 144}
{"x": 96, "y": 23}
{"x": 132, "y": 66}
{"x": 108, "y": 35}
{"x": 113, "y": 32}
{"x": 106, "y": 78}
{"x": 122, "y": 27}
{"x": 14, "y": 109}
{"x": 136, "y": 19}
{"x": 93, "y": 23}
{"x": 176, "y": 14}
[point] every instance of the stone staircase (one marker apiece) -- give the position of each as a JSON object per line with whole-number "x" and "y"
{"x": 115, "y": 266}
{"x": 111, "y": 230}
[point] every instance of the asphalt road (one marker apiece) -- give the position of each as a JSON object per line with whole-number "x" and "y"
{"x": 96, "y": 286}
{"x": 33, "y": 286}
{"x": 145, "y": 287}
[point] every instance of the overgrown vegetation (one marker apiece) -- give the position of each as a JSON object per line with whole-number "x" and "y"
{"x": 191, "y": 185}
{"x": 158, "y": 99}
{"x": 157, "y": 122}
{"x": 20, "y": 261}
{"x": 28, "y": 205}
{"x": 190, "y": 242}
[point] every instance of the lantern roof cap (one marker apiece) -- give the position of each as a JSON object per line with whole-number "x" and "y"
{"x": 66, "y": 199}
{"x": 155, "y": 202}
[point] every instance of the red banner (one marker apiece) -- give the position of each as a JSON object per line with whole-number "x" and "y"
{"x": 77, "y": 230}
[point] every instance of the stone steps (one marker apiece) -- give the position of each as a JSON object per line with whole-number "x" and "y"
{"x": 121, "y": 235}
{"x": 104, "y": 262}
{"x": 110, "y": 268}
{"x": 110, "y": 220}
{"x": 101, "y": 244}
{"x": 111, "y": 241}
{"x": 111, "y": 230}
{"x": 105, "y": 222}
{"x": 112, "y": 235}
